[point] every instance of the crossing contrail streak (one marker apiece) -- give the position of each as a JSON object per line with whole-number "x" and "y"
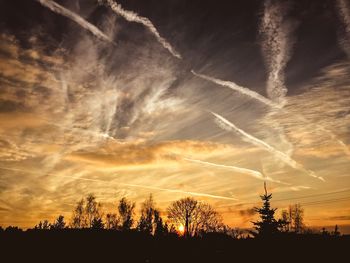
{"x": 269, "y": 103}
{"x": 130, "y": 185}
{"x": 252, "y": 173}
{"x": 240, "y": 89}
{"x": 244, "y": 91}
{"x": 159, "y": 189}
{"x": 134, "y": 17}
{"x": 53, "y": 6}
{"x": 181, "y": 192}
{"x": 227, "y": 125}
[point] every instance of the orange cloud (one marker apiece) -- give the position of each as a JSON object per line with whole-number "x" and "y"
{"x": 128, "y": 154}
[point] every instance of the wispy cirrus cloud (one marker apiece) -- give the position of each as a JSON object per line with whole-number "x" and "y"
{"x": 324, "y": 105}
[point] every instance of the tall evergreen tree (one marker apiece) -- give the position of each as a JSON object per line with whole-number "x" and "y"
{"x": 267, "y": 226}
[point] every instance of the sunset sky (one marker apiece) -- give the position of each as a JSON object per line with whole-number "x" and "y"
{"x": 175, "y": 98}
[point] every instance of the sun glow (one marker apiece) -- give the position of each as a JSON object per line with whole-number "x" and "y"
{"x": 181, "y": 229}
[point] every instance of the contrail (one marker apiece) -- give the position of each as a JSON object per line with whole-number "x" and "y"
{"x": 344, "y": 13}
{"x": 252, "y": 173}
{"x": 182, "y": 192}
{"x": 159, "y": 189}
{"x": 269, "y": 103}
{"x": 238, "y": 88}
{"x": 276, "y": 47}
{"x": 53, "y": 6}
{"x": 244, "y": 91}
{"x": 227, "y": 125}
{"x": 134, "y": 17}
{"x": 130, "y": 185}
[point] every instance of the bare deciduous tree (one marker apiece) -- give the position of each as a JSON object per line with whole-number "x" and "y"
{"x": 78, "y": 218}
{"x": 126, "y": 213}
{"x": 209, "y": 219}
{"x": 92, "y": 211}
{"x": 87, "y": 213}
{"x": 196, "y": 217}
{"x": 146, "y": 220}
{"x": 44, "y": 225}
{"x": 112, "y": 221}
{"x": 297, "y": 218}
{"x": 294, "y": 218}
{"x": 59, "y": 223}
{"x": 150, "y": 220}
{"x": 285, "y": 218}
{"x": 160, "y": 228}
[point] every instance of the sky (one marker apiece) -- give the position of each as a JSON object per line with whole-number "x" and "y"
{"x": 175, "y": 98}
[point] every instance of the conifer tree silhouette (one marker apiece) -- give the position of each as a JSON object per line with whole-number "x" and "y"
{"x": 267, "y": 226}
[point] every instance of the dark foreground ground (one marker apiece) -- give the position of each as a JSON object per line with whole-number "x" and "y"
{"x": 103, "y": 246}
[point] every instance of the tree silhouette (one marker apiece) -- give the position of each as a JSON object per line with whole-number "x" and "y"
{"x": 297, "y": 218}
{"x": 336, "y": 231}
{"x": 97, "y": 223}
{"x": 59, "y": 223}
{"x": 268, "y": 225}
{"x": 78, "y": 218}
{"x": 183, "y": 212}
{"x": 126, "y": 213}
{"x": 112, "y": 221}
{"x": 13, "y": 229}
{"x": 324, "y": 232}
{"x": 150, "y": 221}
{"x": 293, "y": 218}
{"x": 44, "y": 225}
{"x": 209, "y": 219}
{"x": 160, "y": 228}
{"x": 146, "y": 220}
{"x": 92, "y": 211}
{"x": 86, "y": 213}
{"x": 196, "y": 217}
{"x": 285, "y": 217}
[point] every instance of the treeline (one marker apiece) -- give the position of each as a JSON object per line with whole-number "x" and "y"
{"x": 187, "y": 231}
{"x": 185, "y": 217}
